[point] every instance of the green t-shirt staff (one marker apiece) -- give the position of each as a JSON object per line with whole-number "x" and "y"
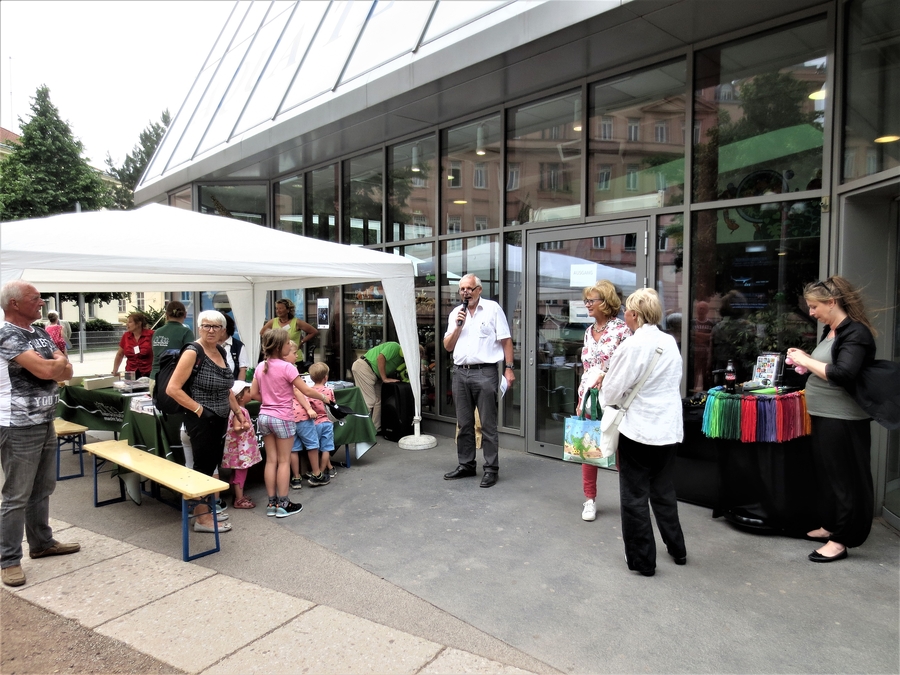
{"x": 390, "y": 366}
{"x": 173, "y": 335}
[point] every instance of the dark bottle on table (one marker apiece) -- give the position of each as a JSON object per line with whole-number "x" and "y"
{"x": 730, "y": 377}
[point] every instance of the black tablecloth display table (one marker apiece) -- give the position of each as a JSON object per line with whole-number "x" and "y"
{"x": 766, "y": 480}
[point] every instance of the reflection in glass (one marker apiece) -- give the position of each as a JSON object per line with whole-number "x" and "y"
{"x": 670, "y": 272}
{"x": 757, "y": 131}
{"x": 459, "y": 258}
{"x": 544, "y": 161}
{"x": 471, "y": 176}
{"x": 329, "y": 51}
{"x": 243, "y": 202}
{"x": 181, "y": 199}
{"x": 423, "y": 259}
{"x": 748, "y": 270}
{"x": 411, "y": 168}
{"x": 511, "y": 405}
{"x": 364, "y": 195}
{"x": 636, "y": 142}
{"x": 326, "y": 346}
{"x": 289, "y": 205}
{"x": 872, "y": 99}
{"x": 452, "y": 15}
{"x": 322, "y": 203}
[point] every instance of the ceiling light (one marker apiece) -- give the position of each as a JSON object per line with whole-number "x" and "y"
{"x": 819, "y": 94}
{"x": 577, "y": 125}
{"x": 460, "y": 201}
{"x": 479, "y": 140}
{"x": 415, "y": 158}
{"x": 887, "y": 139}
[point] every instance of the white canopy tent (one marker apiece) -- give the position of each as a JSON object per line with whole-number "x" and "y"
{"x": 161, "y": 248}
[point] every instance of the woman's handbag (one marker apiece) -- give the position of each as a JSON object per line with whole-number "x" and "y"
{"x": 612, "y": 415}
{"x": 581, "y": 439}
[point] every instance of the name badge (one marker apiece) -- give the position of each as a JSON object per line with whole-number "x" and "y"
{"x": 137, "y": 350}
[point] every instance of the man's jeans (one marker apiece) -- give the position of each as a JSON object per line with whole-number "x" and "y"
{"x": 473, "y": 390}
{"x": 28, "y": 456}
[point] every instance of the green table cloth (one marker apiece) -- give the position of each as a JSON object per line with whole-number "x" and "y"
{"x": 98, "y": 409}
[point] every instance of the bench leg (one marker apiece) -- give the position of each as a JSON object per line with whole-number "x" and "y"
{"x": 187, "y": 516}
{"x": 77, "y": 448}
{"x": 98, "y": 462}
{"x": 347, "y": 455}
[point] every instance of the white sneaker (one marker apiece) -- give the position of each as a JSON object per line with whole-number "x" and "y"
{"x": 590, "y": 511}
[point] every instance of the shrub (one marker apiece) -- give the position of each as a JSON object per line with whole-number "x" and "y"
{"x": 98, "y": 324}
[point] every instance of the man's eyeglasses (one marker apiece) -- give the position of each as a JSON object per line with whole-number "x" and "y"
{"x": 207, "y": 326}
{"x": 469, "y": 290}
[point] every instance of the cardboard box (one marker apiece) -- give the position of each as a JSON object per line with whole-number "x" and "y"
{"x": 103, "y": 382}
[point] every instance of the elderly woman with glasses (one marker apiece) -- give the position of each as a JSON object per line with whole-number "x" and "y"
{"x": 207, "y": 403}
{"x": 841, "y": 433}
{"x": 601, "y": 339}
{"x": 648, "y": 433}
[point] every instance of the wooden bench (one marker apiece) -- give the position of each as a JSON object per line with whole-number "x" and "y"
{"x": 190, "y": 484}
{"x": 69, "y": 433}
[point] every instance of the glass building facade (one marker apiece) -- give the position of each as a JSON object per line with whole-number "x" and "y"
{"x": 725, "y": 165}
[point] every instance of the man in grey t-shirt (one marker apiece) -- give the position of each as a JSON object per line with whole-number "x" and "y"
{"x": 30, "y": 367}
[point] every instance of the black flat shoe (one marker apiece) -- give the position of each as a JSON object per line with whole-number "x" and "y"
{"x": 809, "y": 537}
{"x": 489, "y": 480}
{"x": 815, "y": 556}
{"x": 459, "y": 472}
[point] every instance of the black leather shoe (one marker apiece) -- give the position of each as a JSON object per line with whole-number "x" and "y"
{"x": 489, "y": 480}
{"x": 815, "y": 556}
{"x": 459, "y": 472}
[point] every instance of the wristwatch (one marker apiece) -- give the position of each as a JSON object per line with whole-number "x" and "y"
{"x": 508, "y": 365}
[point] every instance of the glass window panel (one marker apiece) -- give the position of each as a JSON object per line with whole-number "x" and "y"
{"x": 748, "y": 269}
{"x": 545, "y": 147}
{"x": 181, "y": 199}
{"x": 511, "y": 404}
{"x": 243, "y": 202}
{"x": 411, "y": 202}
{"x": 225, "y": 37}
{"x": 289, "y": 197}
{"x": 208, "y": 105}
{"x": 451, "y": 15}
{"x": 326, "y": 346}
{"x": 670, "y": 273}
{"x": 284, "y": 63}
{"x": 364, "y": 193}
{"x": 872, "y": 99}
{"x": 459, "y": 258}
{"x": 642, "y": 167}
{"x": 329, "y": 52}
{"x": 391, "y": 31}
{"x": 322, "y": 203}
{"x": 251, "y": 22}
{"x": 767, "y": 138}
{"x": 240, "y": 89}
{"x": 176, "y": 130}
{"x": 471, "y": 155}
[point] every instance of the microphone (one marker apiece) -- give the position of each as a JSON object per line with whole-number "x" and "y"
{"x": 460, "y": 322}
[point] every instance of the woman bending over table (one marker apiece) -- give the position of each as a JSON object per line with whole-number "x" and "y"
{"x": 136, "y": 346}
{"x": 207, "y": 405}
{"x": 841, "y": 433}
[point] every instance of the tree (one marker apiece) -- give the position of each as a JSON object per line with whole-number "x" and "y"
{"x": 45, "y": 174}
{"x": 136, "y": 163}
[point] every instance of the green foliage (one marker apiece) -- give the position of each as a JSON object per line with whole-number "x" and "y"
{"x": 46, "y": 174}
{"x": 136, "y": 162}
{"x": 89, "y": 298}
{"x": 152, "y": 315}
{"x": 98, "y": 325}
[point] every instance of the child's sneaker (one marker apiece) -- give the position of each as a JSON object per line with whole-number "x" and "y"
{"x": 271, "y": 508}
{"x": 221, "y": 505}
{"x": 321, "y": 479}
{"x": 288, "y": 509}
{"x": 296, "y": 483}
{"x": 332, "y": 472}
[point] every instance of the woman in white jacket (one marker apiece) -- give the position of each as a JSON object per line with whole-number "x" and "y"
{"x": 648, "y": 433}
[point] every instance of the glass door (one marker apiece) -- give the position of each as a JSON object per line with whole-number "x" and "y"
{"x": 561, "y": 263}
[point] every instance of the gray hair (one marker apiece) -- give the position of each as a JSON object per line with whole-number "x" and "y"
{"x": 211, "y": 316}
{"x": 473, "y": 278}
{"x": 14, "y": 290}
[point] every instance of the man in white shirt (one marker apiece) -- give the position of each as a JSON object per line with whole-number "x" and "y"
{"x": 478, "y": 335}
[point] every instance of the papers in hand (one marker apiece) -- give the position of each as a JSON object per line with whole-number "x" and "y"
{"x": 504, "y": 385}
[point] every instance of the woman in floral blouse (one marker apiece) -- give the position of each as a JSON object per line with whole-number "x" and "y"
{"x": 601, "y": 339}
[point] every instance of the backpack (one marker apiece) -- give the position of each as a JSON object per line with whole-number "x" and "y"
{"x": 167, "y": 362}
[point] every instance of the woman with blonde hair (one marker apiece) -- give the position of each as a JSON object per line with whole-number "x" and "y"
{"x": 648, "y": 432}
{"x": 601, "y": 339}
{"x": 285, "y": 318}
{"x": 841, "y": 433}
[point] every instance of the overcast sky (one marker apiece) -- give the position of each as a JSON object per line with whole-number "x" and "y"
{"x": 112, "y": 67}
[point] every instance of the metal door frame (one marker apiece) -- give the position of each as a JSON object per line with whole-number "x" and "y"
{"x": 638, "y": 226}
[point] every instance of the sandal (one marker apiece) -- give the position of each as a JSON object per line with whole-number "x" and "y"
{"x": 200, "y": 527}
{"x": 244, "y": 503}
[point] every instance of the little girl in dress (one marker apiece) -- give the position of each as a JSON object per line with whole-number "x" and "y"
{"x": 241, "y": 450}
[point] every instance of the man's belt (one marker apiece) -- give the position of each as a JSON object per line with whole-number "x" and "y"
{"x": 477, "y": 366}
